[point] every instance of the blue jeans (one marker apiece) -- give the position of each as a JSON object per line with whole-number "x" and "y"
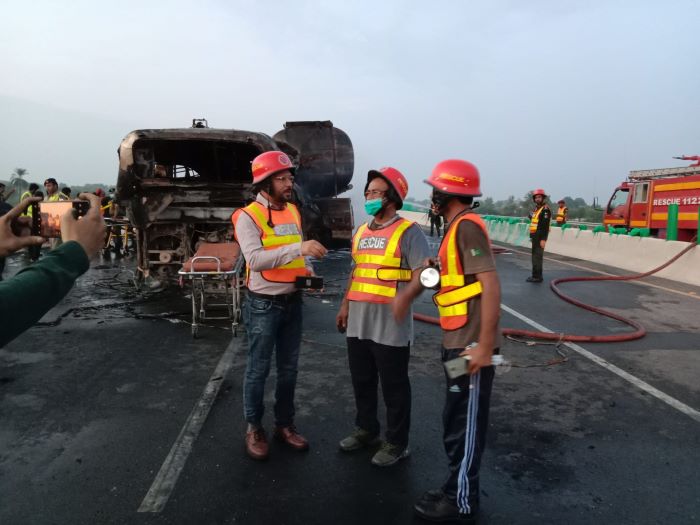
{"x": 271, "y": 325}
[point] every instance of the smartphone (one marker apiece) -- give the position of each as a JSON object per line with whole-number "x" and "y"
{"x": 46, "y": 216}
{"x": 313, "y": 283}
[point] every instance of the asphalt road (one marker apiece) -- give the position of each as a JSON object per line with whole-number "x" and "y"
{"x": 93, "y": 400}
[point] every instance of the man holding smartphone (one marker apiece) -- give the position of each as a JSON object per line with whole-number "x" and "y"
{"x": 33, "y": 291}
{"x": 468, "y": 302}
{"x": 270, "y": 236}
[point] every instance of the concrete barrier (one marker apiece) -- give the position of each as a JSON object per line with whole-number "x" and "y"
{"x": 632, "y": 253}
{"x": 636, "y": 254}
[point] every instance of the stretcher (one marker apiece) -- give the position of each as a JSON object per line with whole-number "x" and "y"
{"x": 215, "y": 270}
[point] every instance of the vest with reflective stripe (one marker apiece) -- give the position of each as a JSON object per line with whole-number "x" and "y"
{"x": 377, "y": 256}
{"x": 58, "y": 196}
{"x": 286, "y": 230}
{"x": 535, "y": 219}
{"x": 561, "y": 214}
{"x": 234, "y": 218}
{"x": 26, "y": 195}
{"x": 453, "y": 296}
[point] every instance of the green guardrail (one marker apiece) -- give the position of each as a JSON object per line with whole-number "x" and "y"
{"x": 640, "y": 232}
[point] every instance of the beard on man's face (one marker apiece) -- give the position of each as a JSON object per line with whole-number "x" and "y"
{"x": 284, "y": 195}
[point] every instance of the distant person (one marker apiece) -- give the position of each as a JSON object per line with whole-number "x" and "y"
{"x": 562, "y": 212}
{"x": 31, "y": 191}
{"x": 435, "y": 221}
{"x": 52, "y": 193}
{"x": 4, "y": 194}
{"x": 66, "y": 191}
{"x": 33, "y": 291}
{"x": 105, "y": 202}
{"x": 540, "y": 218}
{"x": 379, "y": 345}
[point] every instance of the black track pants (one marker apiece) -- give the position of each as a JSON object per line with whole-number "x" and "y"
{"x": 465, "y": 419}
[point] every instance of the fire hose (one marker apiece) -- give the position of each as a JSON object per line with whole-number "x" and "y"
{"x": 639, "y": 330}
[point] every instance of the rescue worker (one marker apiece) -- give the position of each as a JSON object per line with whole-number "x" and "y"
{"x": 562, "y": 212}
{"x": 385, "y": 251}
{"x": 540, "y": 218}
{"x": 33, "y": 187}
{"x": 270, "y": 236}
{"x": 52, "y": 193}
{"x": 435, "y": 221}
{"x": 468, "y": 302}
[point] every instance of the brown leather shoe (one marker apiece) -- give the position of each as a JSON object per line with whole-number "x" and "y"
{"x": 256, "y": 444}
{"x": 291, "y": 437}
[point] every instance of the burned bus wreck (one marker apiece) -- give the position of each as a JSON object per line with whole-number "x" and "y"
{"x": 180, "y": 186}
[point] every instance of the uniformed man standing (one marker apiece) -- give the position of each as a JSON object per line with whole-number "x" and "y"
{"x": 52, "y": 193}
{"x": 562, "y": 212}
{"x": 384, "y": 251}
{"x": 468, "y": 302}
{"x": 540, "y": 218}
{"x": 270, "y": 236}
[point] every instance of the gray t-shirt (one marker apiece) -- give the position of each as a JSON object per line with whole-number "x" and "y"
{"x": 375, "y": 321}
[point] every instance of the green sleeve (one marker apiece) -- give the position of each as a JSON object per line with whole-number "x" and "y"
{"x": 33, "y": 291}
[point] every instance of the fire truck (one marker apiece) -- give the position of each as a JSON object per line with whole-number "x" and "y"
{"x": 642, "y": 201}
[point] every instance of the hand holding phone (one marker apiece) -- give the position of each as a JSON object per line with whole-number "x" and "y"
{"x": 47, "y": 216}
{"x": 13, "y": 230}
{"x": 89, "y": 230}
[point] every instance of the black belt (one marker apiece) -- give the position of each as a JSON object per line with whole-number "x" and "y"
{"x": 281, "y": 298}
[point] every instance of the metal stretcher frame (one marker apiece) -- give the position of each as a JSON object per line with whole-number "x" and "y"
{"x": 233, "y": 281}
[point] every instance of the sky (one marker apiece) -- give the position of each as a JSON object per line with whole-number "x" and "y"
{"x": 564, "y": 95}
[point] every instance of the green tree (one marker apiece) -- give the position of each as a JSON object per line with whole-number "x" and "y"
{"x": 17, "y": 180}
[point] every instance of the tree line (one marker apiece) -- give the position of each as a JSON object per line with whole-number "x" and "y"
{"x": 512, "y": 207}
{"x": 19, "y": 182}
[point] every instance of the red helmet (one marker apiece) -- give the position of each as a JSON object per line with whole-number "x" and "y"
{"x": 393, "y": 177}
{"x": 269, "y": 163}
{"x": 456, "y": 177}
{"x": 538, "y": 191}
{"x": 99, "y": 192}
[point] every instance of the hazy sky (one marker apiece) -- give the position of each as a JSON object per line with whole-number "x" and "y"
{"x": 565, "y": 95}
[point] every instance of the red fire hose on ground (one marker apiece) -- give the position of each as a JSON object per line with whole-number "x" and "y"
{"x": 639, "y": 330}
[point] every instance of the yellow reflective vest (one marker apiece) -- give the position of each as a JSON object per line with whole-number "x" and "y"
{"x": 377, "y": 256}
{"x": 454, "y": 294}
{"x": 535, "y": 219}
{"x": 286, "y": 230}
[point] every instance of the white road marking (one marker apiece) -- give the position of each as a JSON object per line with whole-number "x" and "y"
{"x": 671, "y": 401}
{"x": 169, "y": 472}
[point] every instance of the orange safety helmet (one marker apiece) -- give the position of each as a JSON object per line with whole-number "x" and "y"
{"x": 538, "y": 191}
{"x": 269, "y": 163}
{"x": 394, "y": 177}
{"x": 456, "y": 177}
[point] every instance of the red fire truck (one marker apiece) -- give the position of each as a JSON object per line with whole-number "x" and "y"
{"x": 642, "y": 201}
